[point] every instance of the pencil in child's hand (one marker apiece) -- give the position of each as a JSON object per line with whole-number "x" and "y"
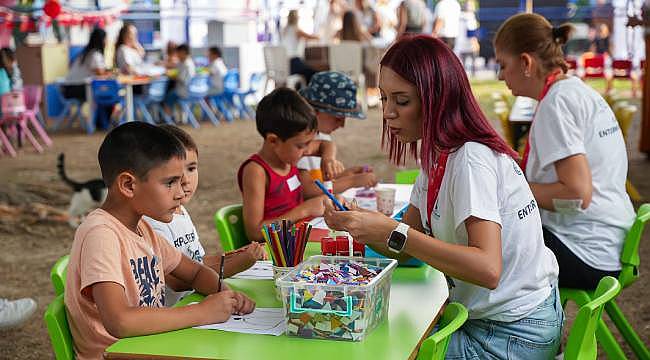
{"x": 331, "y": 196}
{"x": 223, "y": 260}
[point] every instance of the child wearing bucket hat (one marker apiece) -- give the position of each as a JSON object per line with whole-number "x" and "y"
{"x": 333, "y": 95}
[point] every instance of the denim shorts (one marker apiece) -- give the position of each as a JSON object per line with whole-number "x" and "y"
{"x": 536, "y": 336}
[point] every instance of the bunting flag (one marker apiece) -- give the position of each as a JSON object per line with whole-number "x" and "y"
{"x": 53, "y": 12}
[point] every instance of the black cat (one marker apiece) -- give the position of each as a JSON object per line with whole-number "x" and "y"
{"x": 87, "y": 196}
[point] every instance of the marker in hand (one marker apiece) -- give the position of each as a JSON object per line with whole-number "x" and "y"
{"x": 331, "y": 196}
{"x": 223, "y": 260}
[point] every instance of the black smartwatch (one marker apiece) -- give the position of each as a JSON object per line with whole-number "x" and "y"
{"x": 397, "y": 239}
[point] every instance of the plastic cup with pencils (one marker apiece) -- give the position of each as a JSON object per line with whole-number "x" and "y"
{"x": 287, "y": 243}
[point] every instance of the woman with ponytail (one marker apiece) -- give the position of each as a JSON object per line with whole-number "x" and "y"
{"x": 575, "y": 160}
{"x": 471, "y": 215}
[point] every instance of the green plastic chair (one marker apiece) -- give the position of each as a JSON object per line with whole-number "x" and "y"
{"x": 58, "y": 274}
{"x": 581, "y": 344}
{"x": 435, "y": 346}
{"x": 230, "y": 225}
{"x": 57, "y": 327}
{"x": 629, "y": 274}
{"x": 406, "y": 176}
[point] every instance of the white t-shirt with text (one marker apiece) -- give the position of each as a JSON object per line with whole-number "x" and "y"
{"x": 182, "y": 234}
{"x": 574, "y": 119}
{"x": 490, "y": 186}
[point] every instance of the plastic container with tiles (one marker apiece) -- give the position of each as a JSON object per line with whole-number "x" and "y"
{"x": 336, "y": 297}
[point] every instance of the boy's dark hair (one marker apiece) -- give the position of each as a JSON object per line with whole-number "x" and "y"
{"x": 184, "y": 48}
{"x": 182, "y": 136}
{"x": 284, "y": 113}
{"x": 136, "y": 147}
{"x": 214, "y": 50}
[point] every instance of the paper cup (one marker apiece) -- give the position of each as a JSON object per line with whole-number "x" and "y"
{"x": 385, "y": 200}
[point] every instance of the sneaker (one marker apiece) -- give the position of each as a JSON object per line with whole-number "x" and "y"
{"x": 15, "y": 313}
{"x": 559, "y": 356}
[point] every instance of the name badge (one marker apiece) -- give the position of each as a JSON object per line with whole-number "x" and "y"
{"x": 293, "y": 183}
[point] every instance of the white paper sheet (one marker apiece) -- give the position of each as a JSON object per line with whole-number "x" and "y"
{"x": 261, "y": 270}
{"x": 263, "y": 321}
{"x": 318, "y": 223}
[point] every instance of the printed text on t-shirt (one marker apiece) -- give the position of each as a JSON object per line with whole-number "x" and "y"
{"x": 608, "y": 131}
{"x": 184, "y": 240}
{"x": 527, "y": 210}
{"x": 146, "y": 274}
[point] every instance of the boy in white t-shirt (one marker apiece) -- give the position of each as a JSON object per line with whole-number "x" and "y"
{"x": 218, "y": 70}
{"x": 182, "y": 234}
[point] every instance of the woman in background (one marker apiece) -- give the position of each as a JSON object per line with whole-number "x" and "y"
{"x": 90, "y": 63}
{"x": 129, "y": 53}
{"x": 293, "y": 39}
{"x": 352, "y": 30}
{"x": 575, "y": 161}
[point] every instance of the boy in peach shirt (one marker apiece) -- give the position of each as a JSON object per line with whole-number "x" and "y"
{"x": 116, "y": 274}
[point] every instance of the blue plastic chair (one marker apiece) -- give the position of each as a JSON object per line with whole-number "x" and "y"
{"x": 231, "y": 91}
{"x": 220, "y": 101}
{"x": 236, "y": 97}
{"x": 197, "y": 92}
{"x": 153, "y": 99}
{"x": 106, "y": 92}
{"x": 65, "y": 114}
{"x": 254, "y": 85}
{"x": 74, "y": 52}
{"x": 221, "y": 104}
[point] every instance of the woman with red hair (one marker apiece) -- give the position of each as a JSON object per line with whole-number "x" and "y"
{"x": 472, "y": 214}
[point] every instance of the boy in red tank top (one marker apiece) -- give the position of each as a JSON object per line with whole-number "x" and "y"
{"x": 269, "y": 181}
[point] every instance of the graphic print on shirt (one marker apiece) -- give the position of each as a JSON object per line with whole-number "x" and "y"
{"x": 147, "y": 276}
{"x": 185, "y": 244}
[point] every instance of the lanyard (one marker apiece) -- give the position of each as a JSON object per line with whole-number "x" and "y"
{"x": 550, "y": 79}
{"x": 434, "y": 183}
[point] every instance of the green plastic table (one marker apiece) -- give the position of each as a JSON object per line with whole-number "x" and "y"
{"x": 416, "y": 297}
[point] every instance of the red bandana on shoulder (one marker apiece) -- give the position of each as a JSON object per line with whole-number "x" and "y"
{"x": 435, "y": 181}
{"x": 550, "y": 80}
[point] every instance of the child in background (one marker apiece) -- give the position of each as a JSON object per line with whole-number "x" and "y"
{"x": 115, "y": 285}
{"x": 171, "y": 57}
{"x": 333, "y": 95}
{"x": 8, "y": 58}
{"x": 186, "y": 70}
{"x": 182, "y": 234}
{"x": 218, "y": 70}
{"x": 268, "y": 180}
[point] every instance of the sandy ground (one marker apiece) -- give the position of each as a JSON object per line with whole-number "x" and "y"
{"x": 31, "y": 246}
